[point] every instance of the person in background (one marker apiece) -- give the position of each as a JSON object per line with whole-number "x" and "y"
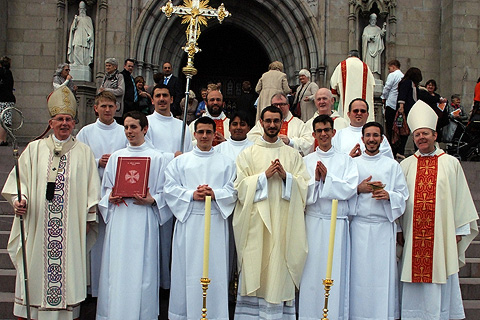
{"x": 144, "y": 98}
{"x": 62, "y": 77}
{"x": 7, "y": 99}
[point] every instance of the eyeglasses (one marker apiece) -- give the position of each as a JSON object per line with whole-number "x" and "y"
{"x": 204, "y": 132}
{"x": 269, "y": 121}
{"x": 326, "y": 130}
{"x": 278, "y": 105}
{"x": 66, "y": 69}
{"x": 359, "y": 111}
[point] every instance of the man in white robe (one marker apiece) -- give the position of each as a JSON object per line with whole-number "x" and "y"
{"x": 324, "y": 102}
{"x": 293, "y": 133}
{"x": 104, "y": 137}
{"x": 349, "y": 140}
{"x": 60, "y": 189}
{"x": 165, "y": 134}
{"x": 438, "y": 225}
{"x": 129, "y": 278}
{"x": 382, "y": 193}
{"x": 191, "y": 177}
{"x": 215, "y": 105}
{"x": 269, "y": 224}
{"x": 333, "y": 175}
{"x": 352, "y": 79}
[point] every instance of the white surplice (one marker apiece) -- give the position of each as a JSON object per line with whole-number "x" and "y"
{"x": 183, "y": 175}
{"x": 373, "y": 273}
{"x": 232, "y": 148}
{"x": 129, "y": 278}
{"x": 225, "y": 122}
{"x": 102, "y": 139}
{"x": 165, "y": 134}
{"x": 341, "y": 184}
{"x": 345, "y": 139}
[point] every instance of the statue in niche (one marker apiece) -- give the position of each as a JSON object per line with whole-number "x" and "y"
{"x": 372, "y": 45}
{"x": 80, "y": 43}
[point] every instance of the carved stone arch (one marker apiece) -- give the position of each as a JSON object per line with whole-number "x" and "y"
{"x": 294, "y": 40}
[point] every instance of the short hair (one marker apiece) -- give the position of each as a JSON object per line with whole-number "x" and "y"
{"x": 455, "y": 96}
{"x": 278, "y": 95}
{"x": 139, "y": 79}
{"x": 5, "y": 62}
{"x": 354, "y": 100}
{"x": 158, "y": 77}
{"x": 323, "y": 118}
{"x": 212, "y": 87}
{"x": 243, "y": 116}
{"x": 394, "y": 62}
{"x": 166, "y": 63}
{"x": 161, "y": 86}
{"x": 354, "y": 53}
{"x": 433, "y": 82}
{"x": 271, "y": 109}
{"x": 246, "y": 85}
{"x": 372, "y": 124}
{"x": 111, "y": 61}
{"x": 276, "y": 65}
{"x": 129, "y": 60}
{"x": 59, "y": 69}
{"x": 138, "y": 116}
{"x": 304, "y": 72}
{"x": 205, "y": 120}
{"x": 105, "y": 95}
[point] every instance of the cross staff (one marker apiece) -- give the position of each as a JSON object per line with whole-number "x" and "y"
{"x": 195, "y": 13}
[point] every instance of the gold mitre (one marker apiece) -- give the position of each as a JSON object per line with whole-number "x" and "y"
{"x": 421, "y": 116}
{"x": 62, "y": 101}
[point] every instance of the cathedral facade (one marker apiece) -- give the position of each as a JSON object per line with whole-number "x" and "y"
{"x": 441, "y": 37}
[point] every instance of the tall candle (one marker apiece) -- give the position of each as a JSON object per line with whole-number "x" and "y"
{"x": 206, "y": 238}
{"x": 333, "y": 224}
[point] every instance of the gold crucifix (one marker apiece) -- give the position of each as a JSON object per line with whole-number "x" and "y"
{"x": 195, "y": 13}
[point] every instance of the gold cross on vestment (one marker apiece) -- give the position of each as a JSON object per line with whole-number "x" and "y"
{"x": 427, "y": 166}
{"x": 195, "y": 13}
{"x": 424, "y": 201}
{"x": 423, "y": 275}
{"x": 423, "y": 238}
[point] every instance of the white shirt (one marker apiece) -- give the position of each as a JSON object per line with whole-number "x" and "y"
{"x": 390, "y": 91}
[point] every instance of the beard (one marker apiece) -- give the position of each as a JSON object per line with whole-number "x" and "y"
{"x": 372, "y": 148}
{"x": 272, "y": 134}
{"x": 214, "y": 111}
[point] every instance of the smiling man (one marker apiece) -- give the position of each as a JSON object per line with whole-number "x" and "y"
{"x": 240, "y": 125}
{"x": 382, "y": 192}
{"x": 129, "y": 277}
{"x": 269, "y": 224}
{"x": 333, "y": 175}
{"x": 191, "y": 177}
{"x": 60, "y": 190}
{"x": 349, "y": 139}
{"x": 438, "y": 225}
{"x": 104, "y": 137}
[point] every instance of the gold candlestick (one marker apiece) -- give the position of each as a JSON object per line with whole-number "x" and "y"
{"x": 205, "y": 282}
{"x": 328, "y": 283}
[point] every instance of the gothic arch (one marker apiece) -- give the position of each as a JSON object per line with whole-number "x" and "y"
{"x": 287, "y": 30}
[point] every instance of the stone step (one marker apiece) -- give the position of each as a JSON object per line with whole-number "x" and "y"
{"x": 6, "y": 305}
{"x": 471, "y": 269}
{"x": 473, "y": 250}
{"x": 472, "y": 309}
{"x": 5, "y": 207}
{"x": 6, "y": 222}
{"x": 7, "y": 283}
{"x": 5, "y": 261}
{"x": 4, "y": 235}
{"x": 470, "y": 288}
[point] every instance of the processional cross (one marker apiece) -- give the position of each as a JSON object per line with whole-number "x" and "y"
{"x": 195, "y": 13}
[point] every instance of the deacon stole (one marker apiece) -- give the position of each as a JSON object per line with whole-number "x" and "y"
{"x": 424, "y": 219}
{"x": 219, "y": 128}
{"x": 344, "y": 80}
{"x": 284, "y": 128}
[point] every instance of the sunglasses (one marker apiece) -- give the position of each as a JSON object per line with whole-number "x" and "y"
{"x": 359, "y": 111}
{"x": 326, "y": 130}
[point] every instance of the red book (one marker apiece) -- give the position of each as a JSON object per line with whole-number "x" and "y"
{"x": 131, "y": 177}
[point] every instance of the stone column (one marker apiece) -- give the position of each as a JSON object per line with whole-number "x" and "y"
{"x": 139, "y": 70}
{"x": 60, "y": 32}
{"x": 352, "y": 29}
{"x": 85, "y": 100}
{"x": 149, "y": 74}
{"x": 313, "y": 72}
{"x": 391, "y": 39}
{"x": 101, "y": 41}
{"x": 3, "y": 26}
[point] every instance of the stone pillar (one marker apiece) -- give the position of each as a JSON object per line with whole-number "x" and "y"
{"x": 149, "y": 74}
{"x": 391, "y": 48}
{"x": 313, "y": 72}
{"x": 3, "y": 26}
{"x": 100, "y": 41}
{"x": 60, "y": 33}
{"x": 85, "y": 100}
{"x": 140, "y": 69}
{"x": 352, "y": 28}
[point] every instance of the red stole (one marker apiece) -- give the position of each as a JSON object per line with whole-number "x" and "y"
{"x": 424, "y": 219}
{"x": 344, "y": 80}
{"x": 219, "y": 129}
{"x": 284, "y": 128}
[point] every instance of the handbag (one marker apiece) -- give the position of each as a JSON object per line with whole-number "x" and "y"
{"x": 399, "y": 130}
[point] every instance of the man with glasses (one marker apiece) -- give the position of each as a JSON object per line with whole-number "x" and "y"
{"x": 189, "y": 178}
{"x": 333, "y": 175}
{"x": 349, "y": 139}
{"x": 293, "y": 131}
{"x": 60, "y": 190}
{"x": 269, "y": 224}
{"x": 380, "y": 199}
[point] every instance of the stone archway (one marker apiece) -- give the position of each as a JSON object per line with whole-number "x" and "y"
{"x": 287, "y": 31}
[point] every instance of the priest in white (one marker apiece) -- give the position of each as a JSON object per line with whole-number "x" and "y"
{"x": 439, "y": 224}
{"x": 215, "y": 105}
{"x": 349, "y": 140}
{"x": 352, "y": 79}
{"x": 60, "y": 189}
{"x": 269, "y": 224}
{"x": 129, "y": 278}
{"x": 333, "y": 175}
{"x": 293, "y": 132}
{"x": 165, "y": 134}
{"x": 104, "y": 137}
{"x": 382, "y": 194}
{"x": 191, "y": 177}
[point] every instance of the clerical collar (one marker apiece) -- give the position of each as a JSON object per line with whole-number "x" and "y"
{"x": 201, "y": 153}
{"x": 325, "y": 153}
{"x": 238, "y": 142}
{"x": 105, "y": 126}
{"x": 161, "y": 116}
{"x": 60, "y": 141}
{"x": 142, "y": 147}
{"x": 431, "y": 154}
{"x": 219, "y": 117}
{"x": 356, "y": 129}
{"x": 369, "y": 157}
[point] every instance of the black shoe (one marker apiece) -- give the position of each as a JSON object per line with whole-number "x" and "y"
{"x": 3, "y": 143}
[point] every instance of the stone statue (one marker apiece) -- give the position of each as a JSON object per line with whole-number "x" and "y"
{"x": 372, "y": 45}
{"x": 80, "y": 43}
